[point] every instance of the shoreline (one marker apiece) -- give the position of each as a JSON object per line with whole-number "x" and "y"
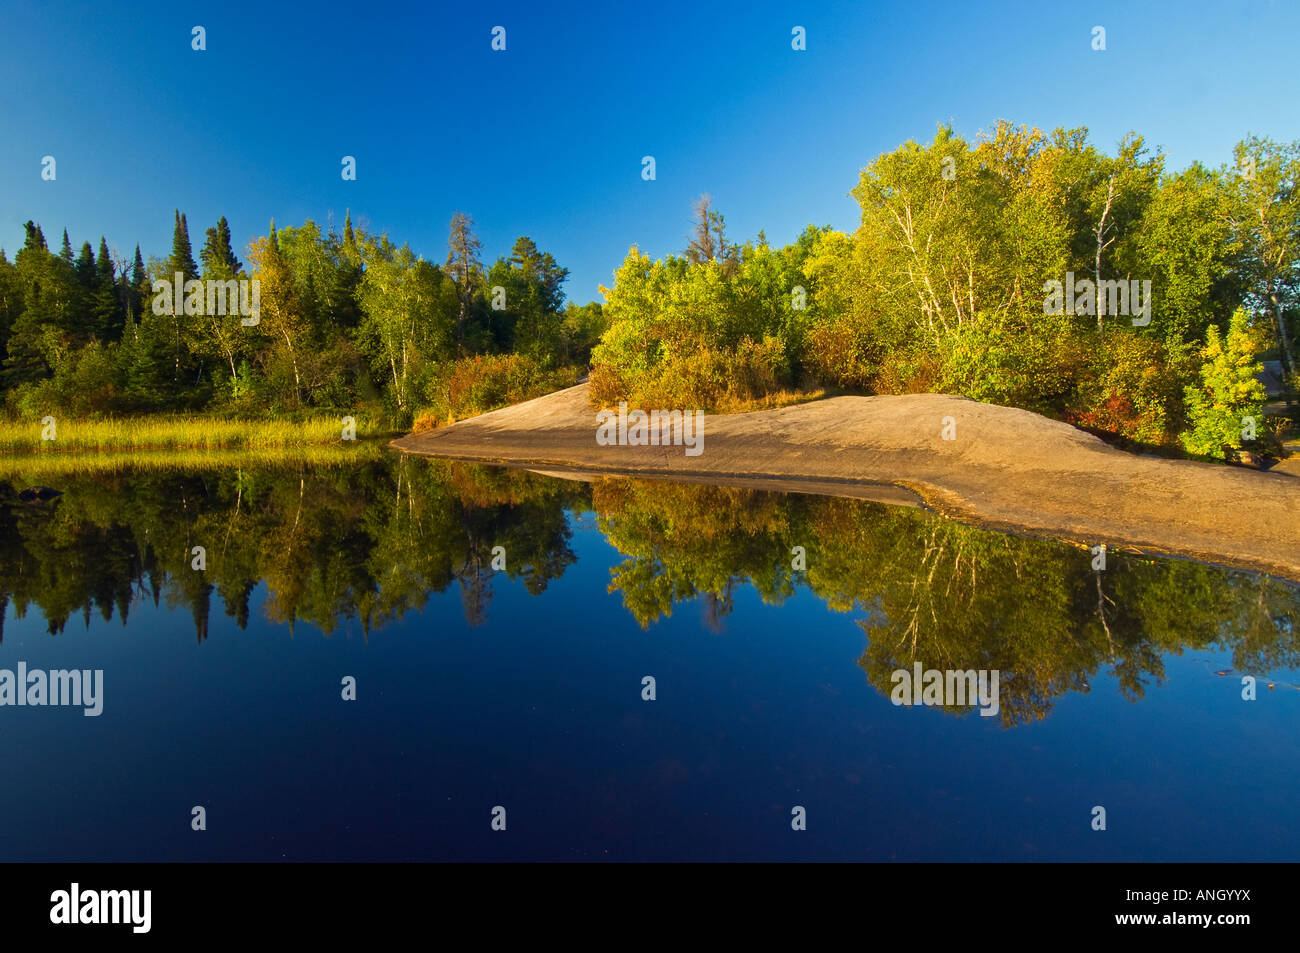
{"x": 1005, "y": 469}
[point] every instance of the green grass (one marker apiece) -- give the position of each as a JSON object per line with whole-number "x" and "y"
{"x": 178, "y": 434}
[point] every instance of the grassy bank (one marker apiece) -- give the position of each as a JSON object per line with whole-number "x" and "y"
{"x": 177, "y": 434}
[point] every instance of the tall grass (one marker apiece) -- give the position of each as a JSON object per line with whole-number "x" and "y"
{"x": 48, "y": 468}
{"x": 177, "y": 433}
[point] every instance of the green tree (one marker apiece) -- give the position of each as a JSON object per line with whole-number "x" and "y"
{"x": 1268, "y": 193}
{"x": 282, "y": 320}
{"x": 182, "y": 256}
{"x": 1229, "y": 394}
{"x": 108, "y": 307}
{"x": 217, "y": 255}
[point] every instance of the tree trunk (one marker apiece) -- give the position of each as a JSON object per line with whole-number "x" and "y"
{"x": 297, "y": 384}
{"x": 1101, "y": 234}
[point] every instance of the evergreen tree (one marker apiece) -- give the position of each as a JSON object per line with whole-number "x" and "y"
{"x": 27, "y": 345}
{"x": 182, "y": 256}
{"x": 144, "y": 362}
{"x": 11, "y": 303}
{"x": 540, "y": 270}
{"x": 141, "y": 287}
{"x": 109, "y": 308}
{"x": 217, "y": 255}
{"x": 66, "y": 254}
{"x": 35, "y": 238}
{"x": 86, "y": 267}
{"x": 182, "y": 262}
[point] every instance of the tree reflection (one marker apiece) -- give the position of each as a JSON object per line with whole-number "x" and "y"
{"x": 370, "y": 542}
{"x": 944, "y": 594}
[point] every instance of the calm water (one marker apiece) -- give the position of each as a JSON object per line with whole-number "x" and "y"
{"x": 521, "y": 687}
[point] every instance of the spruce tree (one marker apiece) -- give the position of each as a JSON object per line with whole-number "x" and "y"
{"x": 217, "y": 255}
{"x": 35, "y": 239}
{"x": 138, "y": 287}
{"x": 182, "y": 257}
{"x": 11, "y": 302}
{"x": 66, "y": 254}
{"x": 81, "y": 316}
{"x": 86, "y": 267}
{"x": 182, "y": 261}
{"x": 109, "y": 308}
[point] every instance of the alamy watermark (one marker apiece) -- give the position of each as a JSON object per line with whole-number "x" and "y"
{"x": 950, "y": 687}
{"x": 1119, "y": 298}
{"x": 81, "y": 687}
{"x": 658, "y": 428}
{"x": 75, "y": 906}
{"x": 211, "y": 297}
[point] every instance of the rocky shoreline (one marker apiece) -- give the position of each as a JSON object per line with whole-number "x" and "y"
{"x": 1001, "y": 467}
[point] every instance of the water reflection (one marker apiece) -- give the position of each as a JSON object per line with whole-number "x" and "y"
{"x": 370, "y": 542}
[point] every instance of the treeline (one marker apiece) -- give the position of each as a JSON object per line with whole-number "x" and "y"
{"x": 945, "y": 287}
{"x": 347, "y": 321}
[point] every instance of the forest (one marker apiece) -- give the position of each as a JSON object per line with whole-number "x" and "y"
{"x": 950, "y": 283}
{"x": 349, "y": 323}
{"x": 947, "y": 285}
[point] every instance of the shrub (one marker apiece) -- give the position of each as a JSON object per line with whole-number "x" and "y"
{"x": 476, "y": 385}
{"x": 1131, "y": 387}
{"x": 838, "y": 354}
{"x": 704, "y": 378}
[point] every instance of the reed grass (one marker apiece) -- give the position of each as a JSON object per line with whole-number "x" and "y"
{"x": 47, "y": 468}
{"x": 176, "y": 433}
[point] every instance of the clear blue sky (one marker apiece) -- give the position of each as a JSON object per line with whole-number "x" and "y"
{"x": 546, "y": 139}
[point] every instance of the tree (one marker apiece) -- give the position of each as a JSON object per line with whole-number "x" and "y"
{"x": 1268, "y": 190}
{"x": 35, "y": 237}
{"x": 143, "y": 361}
{"x": 1229, "y": 394}
{"x": 464, "y": 267}
{"x": 47, "y": 327}
{"x": 86, "y": 267}
{"x": 702, "y": 247}
{"x": 11, "y": 304}
{"x": 709, "y": 238}
{"x": 530, "y": 323}
{"x": 407, "y": 321}
{"x": 109, "y": 312}
{"x": 1191, "y": 247}
{"x": 539, "y": 269}
{"x": 140, "y": 286}
{"x": 281, "y": 318}
{"x": 182, "y": 256}
{"x": 221, "y": 335}
{"x": 217, "y": 255}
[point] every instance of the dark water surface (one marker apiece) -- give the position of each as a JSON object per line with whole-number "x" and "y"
{"x": 522, "y": 688}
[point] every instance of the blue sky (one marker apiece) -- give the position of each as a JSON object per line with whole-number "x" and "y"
{"x": 546, "y": 138}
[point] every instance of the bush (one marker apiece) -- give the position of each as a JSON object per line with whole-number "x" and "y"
{"x": 1132, "y": 388}
{"x": 839, "y": 354}
{"x": 700, "y": 378}
{"x": 476, "y": 385}
{"x": 1010, "y": 366}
